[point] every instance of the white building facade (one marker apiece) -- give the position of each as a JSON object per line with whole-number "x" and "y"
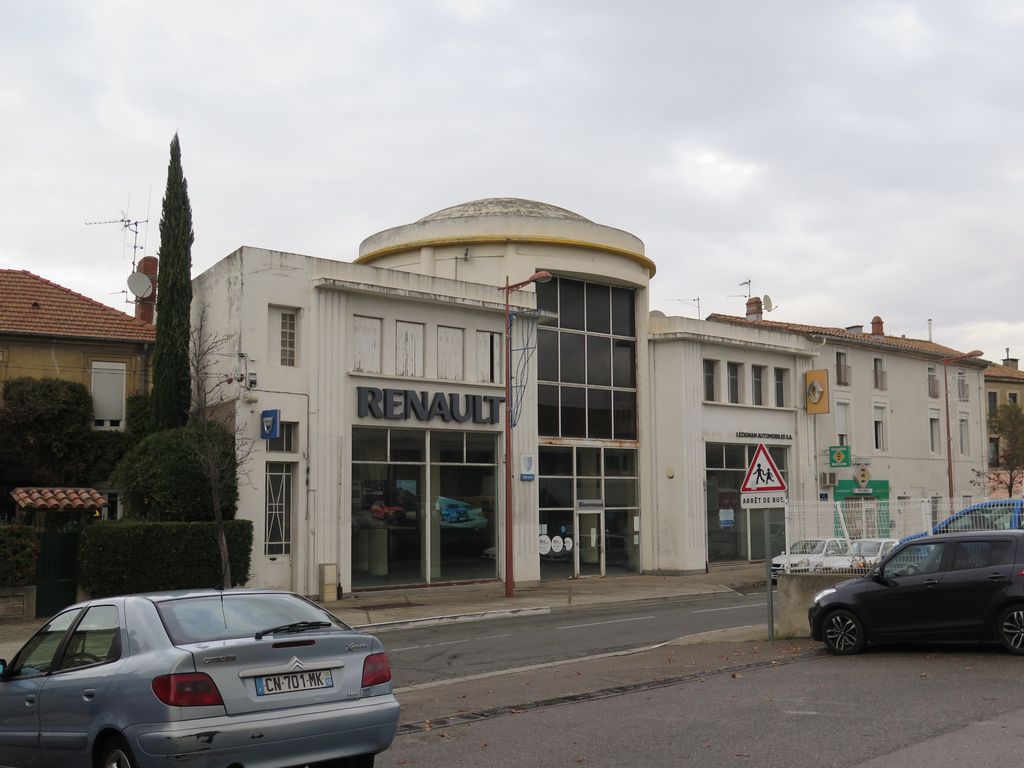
{"x": 382, "y": 384}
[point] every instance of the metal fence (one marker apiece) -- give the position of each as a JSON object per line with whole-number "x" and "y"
{"x": 849, "y": 537}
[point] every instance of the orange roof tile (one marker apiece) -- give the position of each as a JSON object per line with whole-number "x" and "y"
{"x": 895, "y": 343}
{"x": 996, "y": 372}
{"x": 58, "y": 498}
{"x": 32, "y": 305}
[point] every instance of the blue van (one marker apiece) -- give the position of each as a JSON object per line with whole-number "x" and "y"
{"x": 995, "y": 515}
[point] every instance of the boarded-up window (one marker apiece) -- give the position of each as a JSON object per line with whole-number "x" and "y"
{"x": 366, "y": 344}
{"x": 488, "y": 357}
{"x": 408, "y": 349}
{"x": 449, "y": 353}
{"x": 108, "y": 395}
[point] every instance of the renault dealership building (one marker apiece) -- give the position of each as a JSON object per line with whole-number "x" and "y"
{"x": 375, "y": 392}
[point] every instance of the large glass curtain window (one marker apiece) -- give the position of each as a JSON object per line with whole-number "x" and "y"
{"x": 735, "y": 533}
{"x": 568, "y": 475}
{"x": 423, "y": 506}
{"x": 586, "y": 365}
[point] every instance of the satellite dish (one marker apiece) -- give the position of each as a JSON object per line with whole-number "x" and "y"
{"x": 767, "y": 303}
{"x": 140, "y": 285}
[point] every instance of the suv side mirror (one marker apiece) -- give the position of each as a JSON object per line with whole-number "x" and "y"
{"x": 876, "y": 575}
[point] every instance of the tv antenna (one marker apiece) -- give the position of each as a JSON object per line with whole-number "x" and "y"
{"x": 741, "y": 295}
{"x": 128, "y": 225}
{"x": 694, "y": 302}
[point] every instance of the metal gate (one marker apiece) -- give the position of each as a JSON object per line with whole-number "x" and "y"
{"x": 56, "y": 570}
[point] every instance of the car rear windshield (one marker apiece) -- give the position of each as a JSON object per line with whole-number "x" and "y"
{"x": 220, "y": 617}
{"x": 808, "y": 547}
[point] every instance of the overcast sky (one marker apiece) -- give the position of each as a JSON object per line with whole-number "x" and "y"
{"x": 850, "y": 159}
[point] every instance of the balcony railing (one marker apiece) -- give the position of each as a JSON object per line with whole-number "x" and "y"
{"x": 844, "y": 376}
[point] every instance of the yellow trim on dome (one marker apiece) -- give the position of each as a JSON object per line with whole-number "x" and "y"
{"x": 639, "y": 258}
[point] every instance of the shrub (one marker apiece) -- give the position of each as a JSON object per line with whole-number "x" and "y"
{"x": 167, "y": 475}
{"x": 19, "y": 550}
{"x": 120, "y": 557}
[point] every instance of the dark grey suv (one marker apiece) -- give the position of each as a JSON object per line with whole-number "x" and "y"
{"x": 952, "y": 586}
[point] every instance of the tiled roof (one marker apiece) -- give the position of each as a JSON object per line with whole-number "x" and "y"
{"x": 58, "y": 498}
{"x": 30, "y": 304}
{"x": 1004, "y": 372}
{"x": 895, "y": 343}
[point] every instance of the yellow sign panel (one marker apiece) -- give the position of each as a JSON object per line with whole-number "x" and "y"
{"x": 816, "y": 391}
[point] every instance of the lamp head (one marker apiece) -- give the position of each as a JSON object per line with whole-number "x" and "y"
{"x": 541, "y": 276}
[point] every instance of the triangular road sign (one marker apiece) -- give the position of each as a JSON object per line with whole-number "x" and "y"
{"x": 762, "y": 474}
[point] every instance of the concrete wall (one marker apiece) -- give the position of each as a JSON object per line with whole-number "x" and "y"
{"x": 793, "y": 597}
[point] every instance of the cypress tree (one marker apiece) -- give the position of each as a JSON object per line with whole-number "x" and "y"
{"x": 171, "y": 383}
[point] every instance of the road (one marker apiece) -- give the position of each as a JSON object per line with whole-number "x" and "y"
{"x": 793, "y": 707}
{"x": 442, "y": 652}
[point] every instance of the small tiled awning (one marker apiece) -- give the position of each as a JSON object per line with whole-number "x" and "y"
{"x": 58, "y": 498}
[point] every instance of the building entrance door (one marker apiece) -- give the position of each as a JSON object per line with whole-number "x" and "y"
{"x": 589, "y": 559}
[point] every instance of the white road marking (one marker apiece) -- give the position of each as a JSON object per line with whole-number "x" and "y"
{"x": 600, "y": 623}
{"x": 449, "y": 642}
{"x": 730, "y": 608}
{"x": 798, "y": 712}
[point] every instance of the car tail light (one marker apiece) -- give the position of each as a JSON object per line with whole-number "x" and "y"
{"x": 376, "y": 670}
{"x": 195, "y": 689}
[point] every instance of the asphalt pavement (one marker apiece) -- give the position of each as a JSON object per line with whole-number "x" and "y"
{"x": 379, "y": 611}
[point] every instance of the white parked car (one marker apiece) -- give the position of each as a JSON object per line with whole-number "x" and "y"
{"x": 805, "y": 555}
{"x": 863, "y": 555}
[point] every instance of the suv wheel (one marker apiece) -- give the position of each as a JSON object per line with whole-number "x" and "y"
{"x": 1010, "y": 629}
{"x": 843, "y": 633}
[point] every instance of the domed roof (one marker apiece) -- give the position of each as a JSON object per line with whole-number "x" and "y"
{"x": 503, "y": 206}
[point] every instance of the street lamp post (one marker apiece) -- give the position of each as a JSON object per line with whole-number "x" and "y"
{"x": 536, "y": 277}
{"x": 949, "y": 435}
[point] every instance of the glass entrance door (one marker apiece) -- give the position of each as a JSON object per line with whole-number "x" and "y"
{"x": 589, "y": 548}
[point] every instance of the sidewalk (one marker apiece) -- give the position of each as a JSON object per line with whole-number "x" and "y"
{"x": 422, "y": 606}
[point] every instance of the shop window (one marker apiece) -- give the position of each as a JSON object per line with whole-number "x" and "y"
{"x": 285, "y": 441}
{"x": 623, "y": 312}
{"x": 571, "y": 304}
{"x": 108, "y": 394}
{"x": 408, "y": 349}
{"x": 624, "y": 363}
{"x": 278, "y": 508}
{"x": 447, "y": 448}
{"x": 489, "y": 357}
{"x": 449, "y": 353}
{"x": 599, "y": 413}
{"x": 366, "y": 344}
{"x": 574, "y": 412}
{"x": 572, "y": 357}
{"x": 620, "y": 462}
{"x": 598, "y": 308}
{"x": 555, "y": 460}
{"x": 547, "y": 410}
{"x": 599, "y": 360}
{"x": 547, "y": 355}
{"x": 406, "y": 445}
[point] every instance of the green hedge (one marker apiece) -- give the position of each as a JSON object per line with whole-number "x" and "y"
{"x": 121, "y": 557}
{"x": 19, "y": 550}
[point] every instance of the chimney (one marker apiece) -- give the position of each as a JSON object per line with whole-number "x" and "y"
{"x": 855, "y": 328}
{"x": 145, "y": 308}
{"x": 877, "y": 327}
{"x": 1010, "y": 362}
{"x": 755, "y": 309}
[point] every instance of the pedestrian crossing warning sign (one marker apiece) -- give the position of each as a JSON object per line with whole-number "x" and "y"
{"x": 762, "y": 474}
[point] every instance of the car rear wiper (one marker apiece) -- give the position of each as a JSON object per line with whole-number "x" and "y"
{"x": 297, "y": 626}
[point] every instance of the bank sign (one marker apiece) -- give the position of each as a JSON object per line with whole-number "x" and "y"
{"x": 375, "y": 403}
